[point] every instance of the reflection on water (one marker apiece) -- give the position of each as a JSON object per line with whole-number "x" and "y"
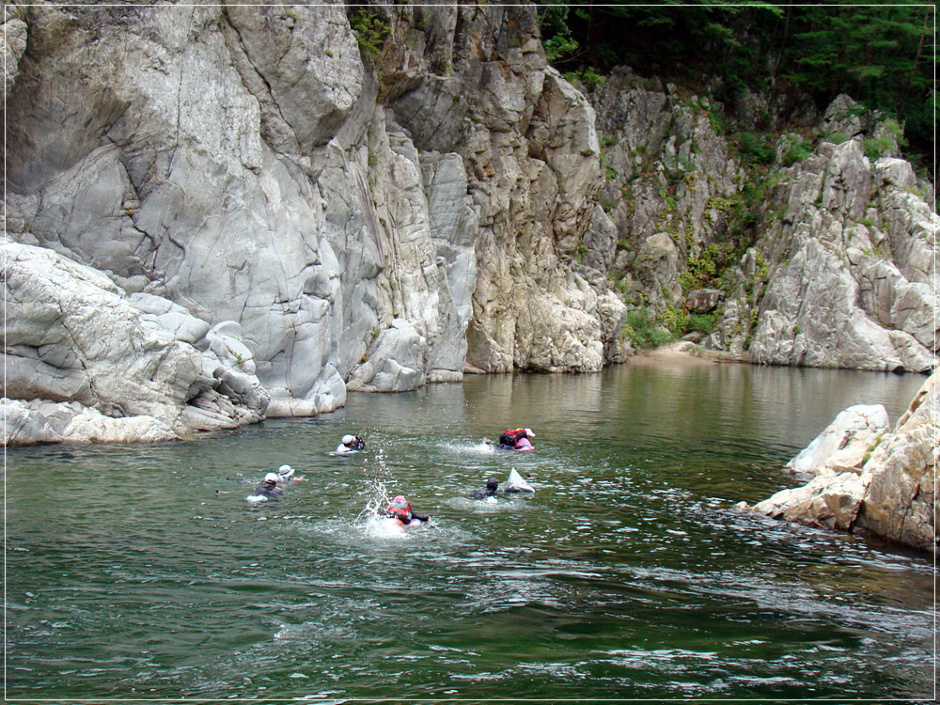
{"x": 141, "y": 571}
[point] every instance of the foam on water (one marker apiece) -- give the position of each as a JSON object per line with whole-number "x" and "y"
{"x": 481, "y": 448}
{"x": 385, "y": 528}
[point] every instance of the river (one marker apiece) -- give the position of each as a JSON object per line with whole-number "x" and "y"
{"x": 141, "y": 571}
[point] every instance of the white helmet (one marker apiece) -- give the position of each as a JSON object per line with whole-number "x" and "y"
{"x": 285, "y": 471}
{"x": 348, "y": 439}
{"x": 270, "y": 477}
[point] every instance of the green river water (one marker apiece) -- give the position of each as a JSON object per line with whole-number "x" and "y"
{"x": 141, "y": 572}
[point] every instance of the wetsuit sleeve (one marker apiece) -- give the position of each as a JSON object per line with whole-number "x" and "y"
{"x": 420, "y": 517}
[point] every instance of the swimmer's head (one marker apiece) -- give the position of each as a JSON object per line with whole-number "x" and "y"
{"x": 348, "y": 439}
{"x": 270, "y": 479}
{"x": 492, "y": 484}
{"x": 285, "y": 472}
{"x": 400, "y": 508}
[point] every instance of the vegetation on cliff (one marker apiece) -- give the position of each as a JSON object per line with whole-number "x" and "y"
{"x": 716, "y": 122}
{"x": 881, "y": 55}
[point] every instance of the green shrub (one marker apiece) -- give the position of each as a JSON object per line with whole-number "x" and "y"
{"x": 643, "y": 332}
{"x": 755, "y": 148}
{"x": 559, "y": 47}
{"x": 582, "y": 251}
{"x": 588, "y": 77}
{"x": 796, "y": 152}
{"x": 370, "y": 30}
{"x": 836, "y": 137}
{"x": 703, "y": 322}
{"x": 675, "y": 320}
{"x": 876, "y": 147}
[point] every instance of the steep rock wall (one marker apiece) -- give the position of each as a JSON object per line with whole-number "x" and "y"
{"x": 852, "y": 282}
{"x": 384, "y": 196}
{"x": 371, "y": 217}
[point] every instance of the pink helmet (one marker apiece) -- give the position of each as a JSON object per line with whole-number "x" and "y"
{"x": 400, "y": 508}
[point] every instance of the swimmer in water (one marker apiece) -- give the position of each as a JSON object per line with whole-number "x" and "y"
{"x": 491, "y": 486}
{"x": 269, "y": 489}
{"x": 350, "y": 444}
{"x": 399, "y": 510}
{"x": 286, "y": 473}
{"x": 516, "y": 439}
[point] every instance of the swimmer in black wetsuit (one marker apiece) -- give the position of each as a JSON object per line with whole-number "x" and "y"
{"x": 268, "y": 488}
{"x": 491, "y": 486}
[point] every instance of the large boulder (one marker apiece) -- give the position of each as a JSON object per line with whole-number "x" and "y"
{"x": 845, "y": 444}
{"x": 869, "y": 479}
{"x": 901, "y": 503}
{"x": 39, "y": 421}
{"x": 830, "y": 502}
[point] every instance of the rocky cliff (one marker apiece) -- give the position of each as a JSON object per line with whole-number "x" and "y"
{"x": 804, "y": 250}
{"x": 360, "y": 219}
{"x": 378, "y": 197}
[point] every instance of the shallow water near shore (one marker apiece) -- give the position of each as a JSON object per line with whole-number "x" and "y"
{"x": 140, "y": 571}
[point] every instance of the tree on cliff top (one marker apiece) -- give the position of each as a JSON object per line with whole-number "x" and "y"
{"x": 884, "y": 55}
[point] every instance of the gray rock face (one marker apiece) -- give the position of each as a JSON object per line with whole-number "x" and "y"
{"x": 74, "y": 338}
{"x": 901, "y": 503}
{"x": 303, "y": 66}
{"x": 869, "y": 477}
{"x": 248, "y": 185}
{"x": 854, "y": 286}
{"x": 668, "y": 180}
{"x": 840, "y": 274}
{"x": 12, "y": 46}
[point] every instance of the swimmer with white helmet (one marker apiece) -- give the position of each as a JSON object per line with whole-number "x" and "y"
{"x": 286, "y": 473}
{"x": 350, "y": 444}
{"x": 268, "y": 488}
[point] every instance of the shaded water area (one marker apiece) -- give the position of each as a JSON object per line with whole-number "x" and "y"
{"x": 140, "y": 571}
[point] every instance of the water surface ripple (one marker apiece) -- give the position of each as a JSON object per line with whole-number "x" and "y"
{"x": 141, "y": 571}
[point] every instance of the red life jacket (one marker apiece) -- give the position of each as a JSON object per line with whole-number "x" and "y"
{"x": 400, "y": 508}
{"x": 511, "y": 436}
